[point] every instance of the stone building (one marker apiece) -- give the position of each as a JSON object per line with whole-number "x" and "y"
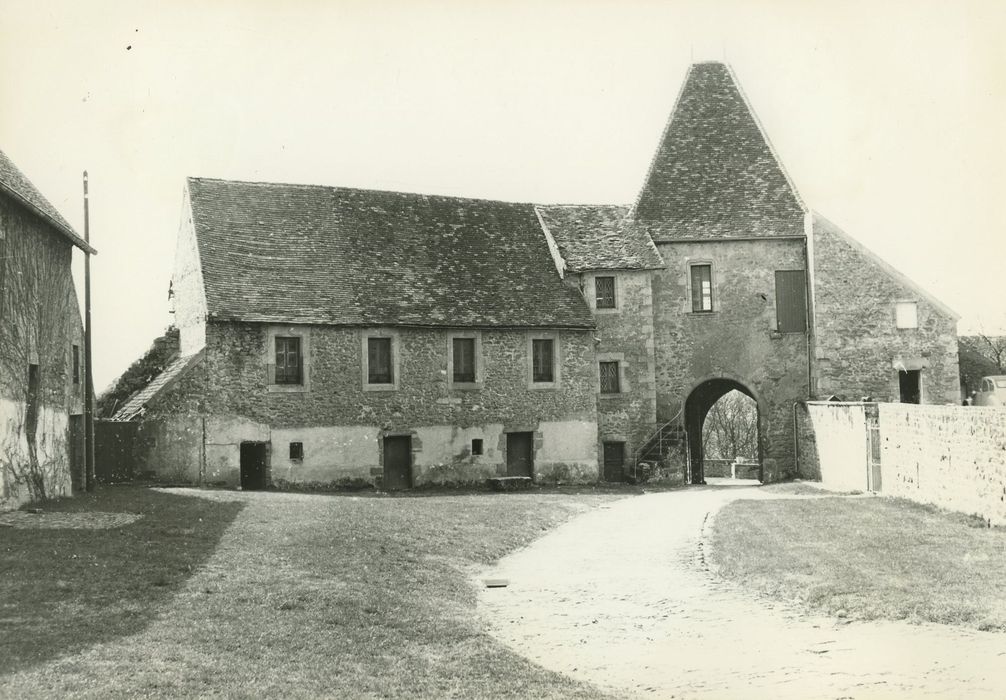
{"x": 339, "y": 335}
{"x": 41, "y": 348}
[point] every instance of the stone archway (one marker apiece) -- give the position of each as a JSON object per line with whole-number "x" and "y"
{"x": 700, "y": 400}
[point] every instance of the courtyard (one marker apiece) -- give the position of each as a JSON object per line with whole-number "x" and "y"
{"x": 609, "y": 592}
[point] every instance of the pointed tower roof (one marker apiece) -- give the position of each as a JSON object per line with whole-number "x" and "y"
{"x": 715, "y": 174}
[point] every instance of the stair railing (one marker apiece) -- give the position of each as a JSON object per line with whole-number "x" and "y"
{"x": 658, "y": 435}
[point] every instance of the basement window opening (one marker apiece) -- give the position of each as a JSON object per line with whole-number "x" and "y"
{"x": 296, "y": 451}
{"x": 477, "y": 446}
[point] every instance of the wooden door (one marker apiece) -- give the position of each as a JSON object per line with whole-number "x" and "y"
{"x": 520, "y": 454}
{"x": 397, "y": 463}
{"x": 253, "y": 466}
{"x": 614, "y": 461}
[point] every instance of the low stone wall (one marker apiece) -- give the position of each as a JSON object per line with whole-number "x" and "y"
{"x": 950, "y": 456}
{"x": 833, "y": 445}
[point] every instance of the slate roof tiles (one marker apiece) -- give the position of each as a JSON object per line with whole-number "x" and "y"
{"x": 331, "y": 255}
{"x": 15, "y": 184}
{"x": 714, "y": 174}
{"x": 599, "y": 237}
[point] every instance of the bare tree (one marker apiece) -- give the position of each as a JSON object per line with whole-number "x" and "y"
{"x": 731, "y": 428}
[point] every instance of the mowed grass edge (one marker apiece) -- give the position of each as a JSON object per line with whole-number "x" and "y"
{"x": 866, "y": 558}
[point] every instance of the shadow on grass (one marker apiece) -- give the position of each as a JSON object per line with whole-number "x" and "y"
{"x": 65, "y": 589}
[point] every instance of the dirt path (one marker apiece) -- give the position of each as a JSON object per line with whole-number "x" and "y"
{"x": 621, "y": 597}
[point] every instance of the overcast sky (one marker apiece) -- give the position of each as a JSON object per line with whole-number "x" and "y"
{"x": 888, "y": 115}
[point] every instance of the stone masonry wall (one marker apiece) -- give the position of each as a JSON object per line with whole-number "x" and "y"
{"x": 341, "y": 424}
{"x": 737, "y": 340}
{"x": 950, "y": 456}
{"x": 857, "y": 341}
{"x": 625, "y": 334}
{"x": 834, "y": 444}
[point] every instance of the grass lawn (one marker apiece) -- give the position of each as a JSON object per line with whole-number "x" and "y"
{"x": 270, "y": 594}
{"x": 872, "y": 558}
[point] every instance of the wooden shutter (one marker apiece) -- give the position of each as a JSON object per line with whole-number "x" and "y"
{"x": 791, "y": 301}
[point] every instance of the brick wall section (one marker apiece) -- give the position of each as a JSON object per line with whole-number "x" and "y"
{"x": 230, "y": 384}
{"x": 737, "y": 340}
{"x": 626, "y": 334}
{"x": 856, "y": 337}
{"x": 950, "y": 456}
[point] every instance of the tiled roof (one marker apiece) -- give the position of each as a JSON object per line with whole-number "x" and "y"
{"x": 15, "y": 184}
{"x": 331, "y": 255}
{"x": 136, "y": 403}
{"x": 714, "y": 174}
{"x": 599, "y": 237}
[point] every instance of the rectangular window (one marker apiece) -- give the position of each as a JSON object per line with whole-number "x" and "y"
{"x": 296, "y": 451}
{"x": 604, "y": 292}
{"x": 543, "y": 360}
{"x": 477, "y": 446}
{"x": 76, "y": 364}
{"x": 702, "y": 287}
{"x": 791, "y": 301}
{"x": 609, "y": 378}
{"x": 906, "y": 314}
{"x": 463, "y": 360}
{"x": 379, "y": 361}
{"x": 288, "y": 361}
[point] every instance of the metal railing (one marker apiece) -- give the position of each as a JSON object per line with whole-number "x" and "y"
{"x": 668, "y": 433}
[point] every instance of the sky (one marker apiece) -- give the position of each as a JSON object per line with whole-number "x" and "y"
{"x": 887, "y": 114}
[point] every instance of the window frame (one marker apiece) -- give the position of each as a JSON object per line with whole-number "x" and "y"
{"x": 618, "y": 377}
{"x": 614, "y": 293}
{"x": 304, "y": 334}
{"x": 395, "y": 348}
{"x": 556, "y": 360}
{"x": 690, "y": 291}
{"x": 476, "y": 338}
{"x": 298, "y": 378}
{"x": 299, "y": 449}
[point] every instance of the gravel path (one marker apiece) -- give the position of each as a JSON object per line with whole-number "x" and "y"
{"x": 621, "y": 597}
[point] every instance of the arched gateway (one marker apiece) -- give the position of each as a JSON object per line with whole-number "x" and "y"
{"x": 698, "y": 403}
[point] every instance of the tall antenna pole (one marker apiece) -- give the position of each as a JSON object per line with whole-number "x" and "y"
{"x": 88, "y": 381}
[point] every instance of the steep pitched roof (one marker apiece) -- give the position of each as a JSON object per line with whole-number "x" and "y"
{"x": 714, "y": 174}
{"x": 331, "y": 255}
{"x": 138, "y": 401}
{"x": 599, "y": 237}
{"x": 15, "y": 184}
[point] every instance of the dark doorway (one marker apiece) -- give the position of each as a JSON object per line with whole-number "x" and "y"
{"x": 77, "y": 476}
{"x": 697, "y": 406}
{"x": 519, "y": 454}
{"x": 397, "y": 462}
{"x": 253, "y": 466}
{"x": 614, "y": 461}
{"x": 910, "y": 385}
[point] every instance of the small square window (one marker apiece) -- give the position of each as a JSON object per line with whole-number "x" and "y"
{"x": 543, "y": 360}
{"x": 296, "y": 451}
{"x": 702, "y": 287}
{"x": 477, "y": 446}
{"x": 610, "y": 383}
{"x": 288, "y": 361}
{"x": 604, "y": 292}
{"x": 906, "y": 314}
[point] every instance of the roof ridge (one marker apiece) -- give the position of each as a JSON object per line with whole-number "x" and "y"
{"x": 361, "y": 190}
